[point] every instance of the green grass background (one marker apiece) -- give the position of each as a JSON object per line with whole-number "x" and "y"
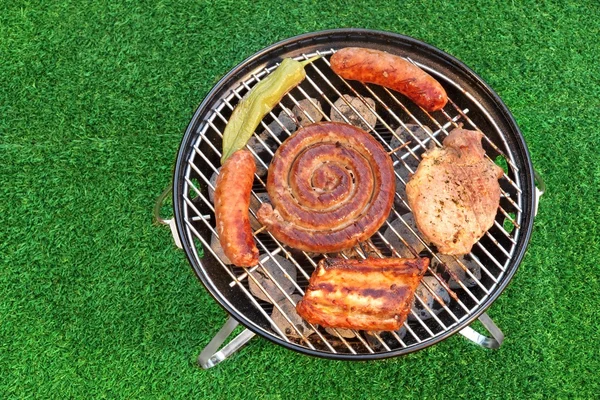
{"x": 95, "y": 301}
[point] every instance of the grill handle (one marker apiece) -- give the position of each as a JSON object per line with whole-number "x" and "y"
{"x": 209, "y": 357}
{"x": 540, "y": 188}
{"x": 170, "y": 222}
{"x": 489, "y": 343}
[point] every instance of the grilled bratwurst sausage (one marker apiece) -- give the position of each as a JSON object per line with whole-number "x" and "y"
{"x": 232, "y": 201}
{"x": 393, "y": 72}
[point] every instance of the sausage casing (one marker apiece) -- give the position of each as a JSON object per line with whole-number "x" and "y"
{"x": 331, "y": 186}
{"x": 232, "y": 202}
{"x": 391, "y": 71}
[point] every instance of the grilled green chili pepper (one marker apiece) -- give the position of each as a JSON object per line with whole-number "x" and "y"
{"x": 261, "y": 99}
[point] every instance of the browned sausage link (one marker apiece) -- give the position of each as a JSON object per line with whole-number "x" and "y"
{"x": 393, "y": 72}
{"x": 232, "y": 202}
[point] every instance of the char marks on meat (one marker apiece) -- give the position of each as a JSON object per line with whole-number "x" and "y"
{"x": 454, "y": 194}
{"x": 373, "y": 294}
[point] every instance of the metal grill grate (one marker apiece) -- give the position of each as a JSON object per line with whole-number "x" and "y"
{"x": 491, "y": 254}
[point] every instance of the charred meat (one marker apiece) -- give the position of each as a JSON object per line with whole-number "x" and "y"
{"x": 373, "y": 294}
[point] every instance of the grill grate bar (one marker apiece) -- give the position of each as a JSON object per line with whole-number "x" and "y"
{"x": 419, "y": 329}
{"x": 511, "y": 219}
{"x": 442, "y": 282}
{"x": 434, "y": 255}
{"x": 506, "y": 234}
{"x": 507, "y": 159}
{"x": 498, "y": 245}
{"x": 383, "y": 343}
{"x": 490, "y": 256}
{"x": 431, "y": 312}
{"x": 493, "y": 145}
{"x": 265, "y": 270}
{"x": 247, "y": 271}
{"x": 397, "y": 337}
{"x": 484, "y": 269}
{"x": 409, "y": 330}
{"x": 206, "y": 245}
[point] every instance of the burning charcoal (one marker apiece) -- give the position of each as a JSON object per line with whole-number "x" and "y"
{"x": 260, "y": 154}
{"x": 290, "y": 310}
{"x": 406, "y": 156}
{"x": 353, "y": 116}
{"x": 373, "y": 341}
{"x": 213, "y": 182}
{"x": 409, "y": 160}
{"x": 451, "y": 264}
{"x": 276, "y": 272}
{"x": 345, "y": 333}
{"x": 425, "y": 295}
{"x": 277, "y": 126}
{"x": 215, "y": 245}
{"x": 270, "y": 140}
{"x": 254, "y": 206}
{"x": 410, "y": 238}
{"x": 306, "y": 107}
{"x": 387, "y": 337}
{"x": 412, "y": 132}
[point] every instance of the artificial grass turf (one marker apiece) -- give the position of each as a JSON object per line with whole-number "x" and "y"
{"x": 96, "y": 302}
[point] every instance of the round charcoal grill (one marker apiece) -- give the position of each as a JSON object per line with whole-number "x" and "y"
{"x": 455, "y": 291}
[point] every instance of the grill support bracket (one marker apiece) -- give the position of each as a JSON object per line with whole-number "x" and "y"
{"x": 209, "y": 357}
{"x": 489, "y": 343}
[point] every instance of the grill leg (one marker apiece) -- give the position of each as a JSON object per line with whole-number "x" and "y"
{"x": 211, "y": 357}
{"x": 491, "y": 343}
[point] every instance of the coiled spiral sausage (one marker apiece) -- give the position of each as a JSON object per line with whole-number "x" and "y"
{"x": 331, "y": 186}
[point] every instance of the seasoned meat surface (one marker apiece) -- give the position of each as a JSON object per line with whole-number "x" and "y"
{"x": 454, "y": 194}
{"x": 372, "y": 294}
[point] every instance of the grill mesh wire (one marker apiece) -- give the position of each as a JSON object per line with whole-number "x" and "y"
{"x": 492, "y": 253}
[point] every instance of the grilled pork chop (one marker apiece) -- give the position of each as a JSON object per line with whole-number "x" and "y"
{"x": 454, "y": 194}
{"x": 373, "y": 294}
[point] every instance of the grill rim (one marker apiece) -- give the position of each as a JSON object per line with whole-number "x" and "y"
{"x": 318, "y": 38}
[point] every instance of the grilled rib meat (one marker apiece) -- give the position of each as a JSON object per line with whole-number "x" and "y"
{"x": 454, "y": 194}
{"x": 372, "y": 294}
